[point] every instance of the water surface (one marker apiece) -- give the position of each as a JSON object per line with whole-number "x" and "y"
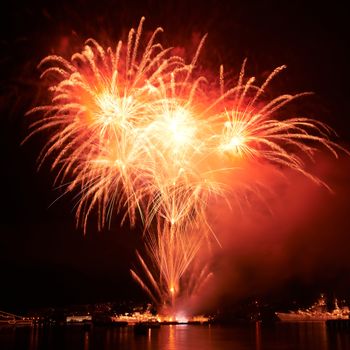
{"x": 281, "y": 336}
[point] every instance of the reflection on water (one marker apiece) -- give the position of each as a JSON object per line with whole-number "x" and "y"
{"x": 258, "y": 336}
{"x": 86, "y": 341}
{"x": 302, "y": 336}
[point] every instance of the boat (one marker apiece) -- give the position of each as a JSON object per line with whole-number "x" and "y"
{"x": 316, "y": 313}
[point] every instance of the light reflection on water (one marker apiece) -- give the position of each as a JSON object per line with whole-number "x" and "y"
{"x": 303, "y": 336}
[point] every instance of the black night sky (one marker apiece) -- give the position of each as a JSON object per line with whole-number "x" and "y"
{"x": 45, "y": 260}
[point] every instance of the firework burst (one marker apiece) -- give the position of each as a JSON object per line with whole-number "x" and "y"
{"x": 133, "y": 130}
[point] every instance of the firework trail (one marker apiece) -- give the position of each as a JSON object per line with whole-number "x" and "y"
{"x": 134, "y": 130}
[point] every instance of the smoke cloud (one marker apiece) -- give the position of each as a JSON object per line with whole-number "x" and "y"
{"x": 289, "y": 236}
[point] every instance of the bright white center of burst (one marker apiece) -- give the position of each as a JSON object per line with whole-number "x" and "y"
{"x": 234, "y": 137}
{"x": 236, "y": 141}
{"x": 113, "y": 109}
{"x": 234, "y": 144}
{"x": 180, "y": 127}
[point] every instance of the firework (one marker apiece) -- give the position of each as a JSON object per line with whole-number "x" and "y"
{"x": 134, "y": 130}
{"x": 101, "y": 99}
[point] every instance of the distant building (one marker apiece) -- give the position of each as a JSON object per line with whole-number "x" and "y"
{"x": 78, "y": 318}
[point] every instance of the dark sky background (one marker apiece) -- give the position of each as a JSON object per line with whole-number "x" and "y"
{"x": 299, "y": 251}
